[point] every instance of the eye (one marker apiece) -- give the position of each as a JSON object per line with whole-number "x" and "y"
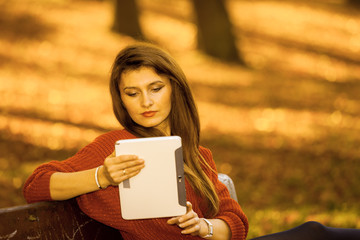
{"x": 156, "y": 89}
{"x": 131, "y": 94}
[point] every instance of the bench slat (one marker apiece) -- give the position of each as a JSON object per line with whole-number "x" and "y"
{"x": 52, "y": 220}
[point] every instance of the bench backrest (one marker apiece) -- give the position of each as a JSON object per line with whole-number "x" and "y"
{"x": 61, "y": 220}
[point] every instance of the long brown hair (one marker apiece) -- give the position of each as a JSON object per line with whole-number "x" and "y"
{"x": 184, "y": 119}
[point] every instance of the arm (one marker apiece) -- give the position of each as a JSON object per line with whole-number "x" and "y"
{"x": 229, "y": 223}
{"x": 221, "y": 229}
{"x": 62, "y": 185}
{"x": 114, "y": 171}
{"x": 59, "y": 181}
{"x": 37, "y": 186}
{"x": 230, "y": 210}
{"x": 192, "y": 224}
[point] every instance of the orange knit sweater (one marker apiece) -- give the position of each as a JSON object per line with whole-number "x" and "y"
{"x": 104, "y": 205}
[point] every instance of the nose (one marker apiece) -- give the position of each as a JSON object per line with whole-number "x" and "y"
{"x": 146, "y": 101}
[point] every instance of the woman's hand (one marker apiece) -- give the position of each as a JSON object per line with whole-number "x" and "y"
{"x": 118, "y": 169}
{"x": 190, "y": 222}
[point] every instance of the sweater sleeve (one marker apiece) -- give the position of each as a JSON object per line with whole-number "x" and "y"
{"x": 37, "y": 186}
{"x": 229, "y": 210}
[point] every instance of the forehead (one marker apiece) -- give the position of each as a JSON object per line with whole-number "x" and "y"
{"x": 142, "y": 76}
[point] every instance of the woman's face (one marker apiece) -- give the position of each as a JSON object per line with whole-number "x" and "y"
{"x": 147, "y": 97}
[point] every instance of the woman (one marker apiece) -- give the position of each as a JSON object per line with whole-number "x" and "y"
{"x": 150, "y": 97}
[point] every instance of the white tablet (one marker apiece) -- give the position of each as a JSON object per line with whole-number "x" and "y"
{"x": 159, "y": 189}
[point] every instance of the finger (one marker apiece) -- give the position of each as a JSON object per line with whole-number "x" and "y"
{"x": 189, "y": 213}
{"x": 139, "y": 163}
{"x": 119, "y": 167}
{"x": 173, "y": 220}
{"x": 132, "y": 169}
{"x": 116, "y": 173}
{"x": 127, "y": 176}
{"x": 126, "y": 172}
{"x": 113, "y": 157}
{"x": 111, "y": 166}
{"x": 118, "y": 179}
{"x": 133, "y": 163}
{"x": 121, "y": 158}
{"x": 192, "y": 229}
{"x": 113, "y": 154}
{"x": 124, "y": 158}
{"x": 114, "y": 162}
{"x": 188, "y": 206}
{"x": 192, "y": 221}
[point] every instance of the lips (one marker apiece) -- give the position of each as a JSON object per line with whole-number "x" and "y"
{"x": 149, "y": 113}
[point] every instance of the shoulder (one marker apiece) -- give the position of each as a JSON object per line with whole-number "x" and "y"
{"x": 208, "y": 157}
{"x": 112, "y": 136}
{"x": 105, "y": 143}
{"x": 205, "y": 152}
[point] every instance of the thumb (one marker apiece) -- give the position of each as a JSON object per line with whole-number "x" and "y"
{"x": 188, "y": 206}
{"x": 112, "y": 154}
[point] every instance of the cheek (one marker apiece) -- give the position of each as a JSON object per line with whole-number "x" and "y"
{"x": 168, "y": 104}
{"x": 167, "y": 100}
{"x": 128, "y": 105}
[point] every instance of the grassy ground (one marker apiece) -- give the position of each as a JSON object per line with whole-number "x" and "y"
{"x": 285, "y": 128}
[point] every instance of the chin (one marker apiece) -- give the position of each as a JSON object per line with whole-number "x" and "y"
{"x": 149, "y": 124}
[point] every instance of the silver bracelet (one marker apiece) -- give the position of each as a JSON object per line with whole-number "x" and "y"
{"x": 211, "y": 229}
{"x": 96, "y": 177}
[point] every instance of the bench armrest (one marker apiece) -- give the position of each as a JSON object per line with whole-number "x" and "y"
{"x": 228, "y": 182}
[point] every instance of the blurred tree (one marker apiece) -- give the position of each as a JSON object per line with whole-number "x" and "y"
{"x": 354, "y": 2}
{"x": 215, "y": 35}
{"x": 126, "y": 19}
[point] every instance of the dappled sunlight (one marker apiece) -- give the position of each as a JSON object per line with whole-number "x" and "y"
{"x": 179, "y": 35}
{"x": 169, "y": 23}
{"x": 303, "y": 41}
{"x": 58, "y": 98}
{"x": 291, "y": 124}
{"x": 54, "y": 136}
{"x": 304, "y": 23}
{"x": 201, "y": 69}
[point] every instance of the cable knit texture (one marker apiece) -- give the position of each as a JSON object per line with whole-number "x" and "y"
{"x": 104, "y": 205}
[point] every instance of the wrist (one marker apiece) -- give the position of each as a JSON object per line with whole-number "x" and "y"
{"x": 103, "y": 181}
{"x": 206, "y": 229}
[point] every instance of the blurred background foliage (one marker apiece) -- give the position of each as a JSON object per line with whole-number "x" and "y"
{"x": 282, "y": 120}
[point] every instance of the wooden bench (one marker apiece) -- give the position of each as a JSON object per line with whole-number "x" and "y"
{"x": 61, "y": 220}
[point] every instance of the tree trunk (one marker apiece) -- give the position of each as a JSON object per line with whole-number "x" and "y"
{"x": 215, "y": 35}
{"x": 126, "y": 19}
{"x": 355, "y": 3}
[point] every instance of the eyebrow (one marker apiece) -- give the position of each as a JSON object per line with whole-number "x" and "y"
{"x": 153, "y": 83}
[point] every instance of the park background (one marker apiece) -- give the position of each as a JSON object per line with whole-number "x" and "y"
{"x": 284, "y": 123}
